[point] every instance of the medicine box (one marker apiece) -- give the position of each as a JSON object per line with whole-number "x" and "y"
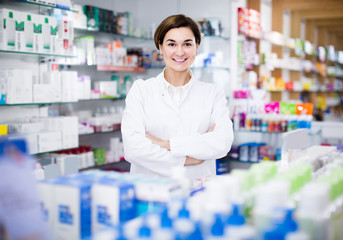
{"x": 72, "y": 209}
{"x": 113, "y": 203}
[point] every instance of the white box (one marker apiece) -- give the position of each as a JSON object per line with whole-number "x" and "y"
{"x": 84, "y": 87}
{"x": 46, "y": 195}
{"x": 108, "y": 89}
{"x": 70, "y": 124}
{"x": 54, "y": 80}
{"x": 113, "y": 203}
{"x": 66, "y": 36}
{"x": 25, "y": 127}
{"x": 7, "y": 32}
{"x": 20, "y": 18}
{"x": 69, "y": 164}
{"x": 70, "y": 140}
{"x": 31, "y": 141}
{"x": 37, "y": 33}
{"x": 42, "y": 93}
{"x": 69, "y": 86}
{"x": 72, "y": 206}
{"x": 49, "y": 141}
{"x": 46, "y": 34}
{"x": 19, "y": 86}
{"x": 28, "y": 32}
{"x": 54, "y": 37}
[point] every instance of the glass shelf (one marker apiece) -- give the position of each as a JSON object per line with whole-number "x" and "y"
{"x": 33, "y": 104}
{"x": 53, "y": 103}
{"x": 310, "y": 133}
{"x": 96, "y": 99}
{"x": 97, "y": 133}
{"x": 45, "y": 5}
{"x": 111, "y": 68}
{"x": 115, "y": 34}
{"x": 62, "y": 149}
{"x": 211, "y": 68}
{"x": 37, "y": 54}
{"x": 122, "y": 165}
{"x": 216, "y": 37}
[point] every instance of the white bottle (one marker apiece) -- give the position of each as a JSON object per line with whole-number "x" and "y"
{"x": 311, "y": 213}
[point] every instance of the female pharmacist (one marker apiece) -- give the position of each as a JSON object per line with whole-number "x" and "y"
{"x": 173, "y": 121}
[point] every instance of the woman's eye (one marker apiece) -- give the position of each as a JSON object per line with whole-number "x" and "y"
{"x": 188, "y": 44}
{"x": 171, "y": 44}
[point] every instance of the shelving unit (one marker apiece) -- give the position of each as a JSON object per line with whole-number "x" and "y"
{"x": 37, "y": 54}
{"x": 45, "y": 5}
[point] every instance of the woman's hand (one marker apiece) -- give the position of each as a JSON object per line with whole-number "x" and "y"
{"x": 158, "y": 141}
{"x": 192, "y": 161}
{"x": 166, "y": 144}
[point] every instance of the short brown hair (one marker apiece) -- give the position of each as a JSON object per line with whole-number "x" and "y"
{"x": 176, "y": 21}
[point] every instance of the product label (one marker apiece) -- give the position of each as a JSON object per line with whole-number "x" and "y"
{"x": 45, "y": 212}
{"x": 37, "y": 28}
{"x": 64, "y": 215}
{"x": 19, "y": 26}
{"x": 102, "y": 215}
{"x": 85, "y": 212}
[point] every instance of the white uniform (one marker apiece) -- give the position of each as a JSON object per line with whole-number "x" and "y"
{"x": 150, "y": 109}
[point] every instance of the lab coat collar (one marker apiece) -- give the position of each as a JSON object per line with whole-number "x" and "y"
{"x": 164, "y": 89}
{"x": 165, "y": 84}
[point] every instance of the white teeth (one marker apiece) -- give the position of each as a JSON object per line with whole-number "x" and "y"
{"x": 179, "y": 60}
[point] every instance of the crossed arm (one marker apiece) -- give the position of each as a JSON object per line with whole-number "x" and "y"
{"x": 166, "y": 145}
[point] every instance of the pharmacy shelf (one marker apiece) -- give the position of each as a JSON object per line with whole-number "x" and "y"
{"x": 98, "y": 133}
{"x": 246, "y": 131}
{"x": 45, "y": 5}
{"x": 216, "y": 37}
{"x": 211, "y": 68}
{"x": 121, "y": 166}
{"x": 52, "y": 103}
{"x": 248, "y": 162}
{"x": 79, "y": 29}
{"x": 34, "y": 104}
{"x": 98, "y": 99}
{"x": 57, "y": 150}
{"x": 37, "y": 54}
{"x": 303, "y": 90}
{"x": 111, "y": 68}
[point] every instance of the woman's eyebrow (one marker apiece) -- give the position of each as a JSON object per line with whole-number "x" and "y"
{"x": 187, "y": 40}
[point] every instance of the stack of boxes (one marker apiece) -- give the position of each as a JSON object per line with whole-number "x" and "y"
{"x": 17, "y": 87}
{"x": 27, "y": 32}
{"x": 46, "y": 134}
{"x": 108, "y": 21}
{"x": 81, "y": 205}
{"x": 249, "y": 22}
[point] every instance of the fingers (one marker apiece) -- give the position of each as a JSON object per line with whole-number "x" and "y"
{"x": 212, "y": 128}
{"x": 192, "y": 161}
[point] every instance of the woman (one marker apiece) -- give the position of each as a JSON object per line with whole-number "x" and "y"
{"x": 173, "y": 121}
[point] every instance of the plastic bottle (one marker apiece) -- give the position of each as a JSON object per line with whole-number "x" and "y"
{"x": 217, "y": 229}
{"x": 311, "y": 212}
{"x": 235, "y": 118}
{"x": 236, "y": 227}
{"x": 166, "y": 227}
{"x": 264, "y": 126}
{"x": 248, "y": 122}
{"x": 271, "y": 196}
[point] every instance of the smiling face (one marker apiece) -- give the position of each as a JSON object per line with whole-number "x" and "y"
{"x": 179, "y": 49}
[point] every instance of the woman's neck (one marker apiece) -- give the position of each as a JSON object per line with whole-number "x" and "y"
{"x": 177, "y": 78}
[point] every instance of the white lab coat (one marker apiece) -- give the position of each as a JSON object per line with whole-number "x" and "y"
{"x": 150, "y": 109}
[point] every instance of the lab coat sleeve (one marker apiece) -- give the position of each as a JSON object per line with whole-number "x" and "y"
{"x": 210, "y": 145}
{"x": 138, "y": 149}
